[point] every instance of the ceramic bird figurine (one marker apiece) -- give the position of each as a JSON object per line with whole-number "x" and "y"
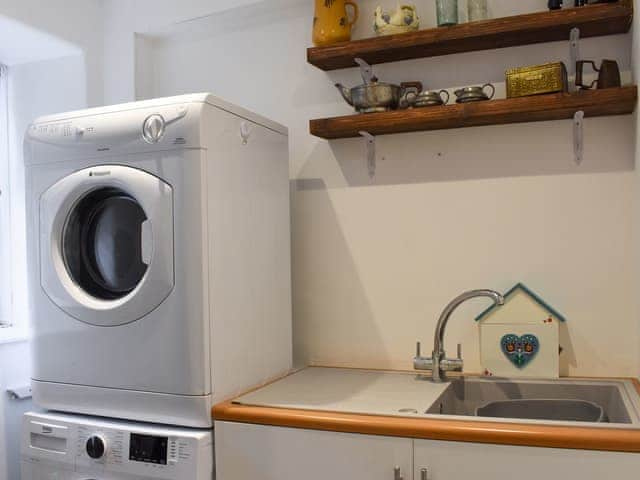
{"x": 404, "y": 19}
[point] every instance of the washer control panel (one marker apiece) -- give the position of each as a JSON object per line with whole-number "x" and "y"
{"x": 160, "y": 127}
{"x": 93, "y": 446}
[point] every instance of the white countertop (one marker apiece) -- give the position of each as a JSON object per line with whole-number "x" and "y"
{"x": 371, "y": 402}
{"x": 349, "y": 391}
{"x": 400, "y": 394}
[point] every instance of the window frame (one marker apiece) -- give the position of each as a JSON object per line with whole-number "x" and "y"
{"x": 5, "y": 207}
{"x": 9, "y": 329}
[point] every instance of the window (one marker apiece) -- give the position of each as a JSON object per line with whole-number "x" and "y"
{"x": 5, "y": 207}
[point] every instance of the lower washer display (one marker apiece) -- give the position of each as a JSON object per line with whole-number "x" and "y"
{"x": 74, "y": 447}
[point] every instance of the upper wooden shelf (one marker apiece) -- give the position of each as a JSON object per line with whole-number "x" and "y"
{"x": 549, "y": 26}
{"x": 555, "y": 106}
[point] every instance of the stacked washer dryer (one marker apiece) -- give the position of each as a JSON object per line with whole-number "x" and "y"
{"x": 159, "y": 266}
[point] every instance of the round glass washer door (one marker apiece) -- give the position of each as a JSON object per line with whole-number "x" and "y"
{"x": 101, "y": 243}
{"x": 107, "y": 244}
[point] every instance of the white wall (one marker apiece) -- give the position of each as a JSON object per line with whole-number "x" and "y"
{"x": 30, "y": 88}
{"x": 78, "y": 22}
{"x": 30, "y": 95}
{"x": 124, "y": 18}
{"x": 14, "y": 357}
{"x": 55, "y": 61}
{"x": 374, "y": 263}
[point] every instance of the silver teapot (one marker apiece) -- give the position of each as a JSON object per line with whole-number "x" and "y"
{"x": 375, "y": 96}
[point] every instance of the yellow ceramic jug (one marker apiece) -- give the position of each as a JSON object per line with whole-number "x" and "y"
{"x": 331, "y": 22}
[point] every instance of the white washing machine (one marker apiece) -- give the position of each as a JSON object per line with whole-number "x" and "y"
{"x": 159, "y": 257}
{"x": 74, "y": 447}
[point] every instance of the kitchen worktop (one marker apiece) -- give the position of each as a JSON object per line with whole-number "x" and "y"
{"x": 394, "y": 404}
{"x": 349, "y": 391}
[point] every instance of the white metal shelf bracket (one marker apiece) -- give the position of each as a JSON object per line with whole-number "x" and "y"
{"x": 578, "y": 117}
{"x": 245, "y": 132}
{"x": 574, "y": 54}
{"x": 370, "y": 145}
{"x": 578, "y": 136}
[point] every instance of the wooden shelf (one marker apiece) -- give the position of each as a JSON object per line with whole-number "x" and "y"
{"x": 548, "y": 26}
{"x": 556, "y": 106}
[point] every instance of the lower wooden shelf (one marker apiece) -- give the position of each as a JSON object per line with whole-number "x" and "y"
{"x": 557, "y": 106}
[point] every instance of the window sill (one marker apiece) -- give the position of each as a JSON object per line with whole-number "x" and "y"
{"x": 13, "y": 335}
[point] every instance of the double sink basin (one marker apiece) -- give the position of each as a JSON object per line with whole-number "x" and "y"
{"x": 561, "y": 400}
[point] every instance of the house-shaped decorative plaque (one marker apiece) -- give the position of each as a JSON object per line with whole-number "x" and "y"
{"x": 520, "y": 338}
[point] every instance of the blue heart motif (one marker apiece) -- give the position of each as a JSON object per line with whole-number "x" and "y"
{"x": 520, "y": 350}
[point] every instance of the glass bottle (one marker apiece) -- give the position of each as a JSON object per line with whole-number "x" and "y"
{"x": 477, "y": 10}
{"x": 447, "y": 12}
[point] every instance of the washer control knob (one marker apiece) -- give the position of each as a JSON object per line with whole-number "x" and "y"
{"x": 153, "y": 128}
{"x": 96, "y": 447}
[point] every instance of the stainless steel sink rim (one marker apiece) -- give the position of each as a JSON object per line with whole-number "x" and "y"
{"x": 625, "y": 388}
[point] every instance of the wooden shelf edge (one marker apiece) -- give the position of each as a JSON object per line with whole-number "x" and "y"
{"x": 527, "y": 29}
{"x": 594, "y": 103}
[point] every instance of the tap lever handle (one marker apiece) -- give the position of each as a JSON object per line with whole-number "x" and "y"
{"x": 459, "y": 351}
{"x": 418, "y": 349}
{"x": 424, "y": 475}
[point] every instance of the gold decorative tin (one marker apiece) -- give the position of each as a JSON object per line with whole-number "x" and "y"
{"x": 536, "y": 80}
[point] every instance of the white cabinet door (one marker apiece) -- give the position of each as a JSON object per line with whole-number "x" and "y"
{"x": 257, "y": 452}
{"x": 464, "y": 461}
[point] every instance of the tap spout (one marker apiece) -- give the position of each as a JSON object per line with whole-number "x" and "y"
{"x": 497, "y": 298}
{"x": 438, "y": 356}
{"x": 346, "y": 93}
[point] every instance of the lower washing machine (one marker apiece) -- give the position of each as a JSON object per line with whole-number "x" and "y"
{"x": 75, "y": 447}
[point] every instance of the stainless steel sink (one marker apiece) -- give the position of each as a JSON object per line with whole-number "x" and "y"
{"x": 545, "y": 409}
{"x": 561, "y": 400}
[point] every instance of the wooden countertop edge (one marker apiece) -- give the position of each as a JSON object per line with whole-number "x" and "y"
{"x": 581, "y": 438}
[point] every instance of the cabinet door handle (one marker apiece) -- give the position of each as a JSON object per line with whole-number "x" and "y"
{"x": 424, "y": 474}
{"x": 397, "y": 474}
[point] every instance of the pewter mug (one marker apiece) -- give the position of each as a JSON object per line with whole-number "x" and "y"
{"x": 431, "y": 98}
{"x": 608, "y": 74}
{"x": 474, "y": 94}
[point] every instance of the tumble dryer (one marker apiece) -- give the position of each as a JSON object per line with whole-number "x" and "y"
{"x": 159, "y": 257}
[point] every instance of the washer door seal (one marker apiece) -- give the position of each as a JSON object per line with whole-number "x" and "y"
{"x": 106, "y": 244}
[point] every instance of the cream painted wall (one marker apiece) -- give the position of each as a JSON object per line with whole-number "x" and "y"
{"x": 636, "y": 218}
{"x": 375, "y": 262}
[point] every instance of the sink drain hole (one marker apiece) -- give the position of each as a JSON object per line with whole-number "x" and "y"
{"x": 408, "y": 410}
